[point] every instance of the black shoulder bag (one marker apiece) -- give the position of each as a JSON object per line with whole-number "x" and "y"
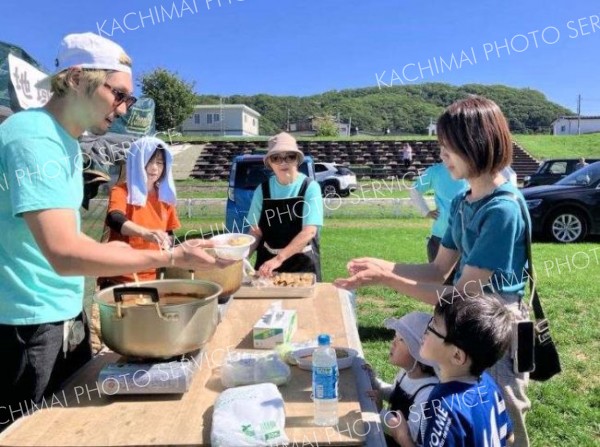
{"x": 547, "y": 362}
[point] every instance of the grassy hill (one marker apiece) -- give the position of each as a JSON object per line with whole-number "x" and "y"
{"x": 405, "y": 109}
{"x": 553, "y": 146}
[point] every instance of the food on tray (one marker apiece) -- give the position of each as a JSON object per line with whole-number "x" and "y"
{"x": 239, "y": 240}
{"x": 293, "y": 279}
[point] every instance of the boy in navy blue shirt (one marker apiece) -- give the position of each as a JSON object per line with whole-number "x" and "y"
{"x": 464, "y": 337}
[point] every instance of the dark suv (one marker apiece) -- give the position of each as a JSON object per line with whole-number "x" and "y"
{"x": 569, "y": 210}
{"x": 551, "y": 171}
{"x": 247, "y": 172}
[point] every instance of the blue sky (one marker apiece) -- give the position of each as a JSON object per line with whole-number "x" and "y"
{"x": 302, "y": 47}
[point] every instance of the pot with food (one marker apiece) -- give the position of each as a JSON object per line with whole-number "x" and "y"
{"x": 162, "y": 319}
{"x": 229, "y": 277}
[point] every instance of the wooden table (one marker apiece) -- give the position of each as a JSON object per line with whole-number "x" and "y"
{"x": 80, "y": 415}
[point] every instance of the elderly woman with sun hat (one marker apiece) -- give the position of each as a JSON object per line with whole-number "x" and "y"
{"x": 286, "y": 213}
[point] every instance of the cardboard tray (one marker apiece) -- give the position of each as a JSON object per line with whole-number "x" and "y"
{"x": 247, "y": 291}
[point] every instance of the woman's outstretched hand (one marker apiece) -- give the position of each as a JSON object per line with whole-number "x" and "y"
{"x": 366, "y": 274}
{"x": 359, "y": 264}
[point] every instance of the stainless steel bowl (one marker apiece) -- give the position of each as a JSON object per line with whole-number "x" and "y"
{"x": 158, "y": 330}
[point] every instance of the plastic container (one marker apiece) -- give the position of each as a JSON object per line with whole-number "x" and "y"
{"x": 232, "y": 246}
{"x": 325, "y": 383}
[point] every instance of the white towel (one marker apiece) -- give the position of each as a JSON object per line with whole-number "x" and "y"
{"x": 139, "y": 154}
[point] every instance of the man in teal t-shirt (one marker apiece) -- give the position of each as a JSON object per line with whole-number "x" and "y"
{"x": 436, "y": 178}
{"x": 43, "y": 170}
{"x": 43, "y": 254}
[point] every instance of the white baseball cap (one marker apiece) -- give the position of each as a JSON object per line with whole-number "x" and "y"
{"x": 89, "y": 50}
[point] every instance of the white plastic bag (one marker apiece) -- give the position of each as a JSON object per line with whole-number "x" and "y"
{"x": 244, "y": 368}
{"x": 250, "y": 415}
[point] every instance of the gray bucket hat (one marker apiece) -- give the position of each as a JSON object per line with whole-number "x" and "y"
{"x": 283, "y": 143}
{"x": 411, "y": 327}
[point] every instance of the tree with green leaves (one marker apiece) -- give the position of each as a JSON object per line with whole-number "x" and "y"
{"x": 325, "y": 126}
{"x": 174, "y": 97}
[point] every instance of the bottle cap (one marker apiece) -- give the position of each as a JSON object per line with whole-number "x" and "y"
{"x": 324, "y": 340}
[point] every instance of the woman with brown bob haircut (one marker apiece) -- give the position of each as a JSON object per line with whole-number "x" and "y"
{"x": 485, "y": 239}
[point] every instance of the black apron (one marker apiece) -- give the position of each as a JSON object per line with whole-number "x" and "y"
{"x": 401, "y": 402}
{"x": 280, "y": 222}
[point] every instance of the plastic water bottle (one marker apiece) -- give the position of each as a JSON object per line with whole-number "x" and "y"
{"x": 325, "y": 383}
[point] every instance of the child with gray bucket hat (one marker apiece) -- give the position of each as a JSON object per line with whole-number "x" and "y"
{"x": 414, "y": 381}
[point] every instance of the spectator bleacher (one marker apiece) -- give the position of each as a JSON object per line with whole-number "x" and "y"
{"x": 375, "y": 159}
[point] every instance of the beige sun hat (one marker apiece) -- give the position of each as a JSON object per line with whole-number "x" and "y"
{"x": 283, "y": 143}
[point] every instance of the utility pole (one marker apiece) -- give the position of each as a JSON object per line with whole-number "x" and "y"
{"x": 578, "y": 114}
{"x": 288, "y": 119}
{"x": 222, "y": 118}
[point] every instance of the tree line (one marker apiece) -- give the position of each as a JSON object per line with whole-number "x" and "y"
{"x": 403, "y": 109}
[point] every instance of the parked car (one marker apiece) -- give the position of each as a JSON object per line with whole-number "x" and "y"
{"x": 569, "y": 210}
{"x": 551, "y": 171}
{"x": 247, "y": 172}
{"x": 335, "y": 179}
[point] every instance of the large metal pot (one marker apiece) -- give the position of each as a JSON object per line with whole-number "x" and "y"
{"x": 229, "y": 278}
{"x": 156, "y": 330}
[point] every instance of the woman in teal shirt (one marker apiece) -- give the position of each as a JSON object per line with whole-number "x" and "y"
{"x": 485, "y": 237}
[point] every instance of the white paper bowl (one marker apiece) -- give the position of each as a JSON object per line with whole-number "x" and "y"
{"x": 232, "y": 252}
{"x": 303, "y": 357}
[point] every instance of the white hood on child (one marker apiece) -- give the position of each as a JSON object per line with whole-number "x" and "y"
{"x": 140, "y": 153}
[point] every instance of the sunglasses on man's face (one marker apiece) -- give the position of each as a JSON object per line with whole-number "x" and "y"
{"x": 121, "y": 97}
{"x": 279, "y": 159}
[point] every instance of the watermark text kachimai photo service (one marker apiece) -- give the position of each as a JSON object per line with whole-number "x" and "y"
{"x": 157, "y": 14}
{"x": 496, "y": 49}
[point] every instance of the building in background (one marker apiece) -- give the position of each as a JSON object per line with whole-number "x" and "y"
{"x": 573, "y": 125}
{"x": 222, "y": 120}
{"x": 307, "y": 125}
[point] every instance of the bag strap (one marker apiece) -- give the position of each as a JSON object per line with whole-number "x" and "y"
{"x": 534, "y": 301}
{"x": 266, "y": 189}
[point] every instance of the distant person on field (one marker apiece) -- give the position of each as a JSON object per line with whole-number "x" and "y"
{"x": 438, "y": 179}
{"x": 582, "y": 164}
{"x": 464, "y": 337}
{"x": 407, "y": 155}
